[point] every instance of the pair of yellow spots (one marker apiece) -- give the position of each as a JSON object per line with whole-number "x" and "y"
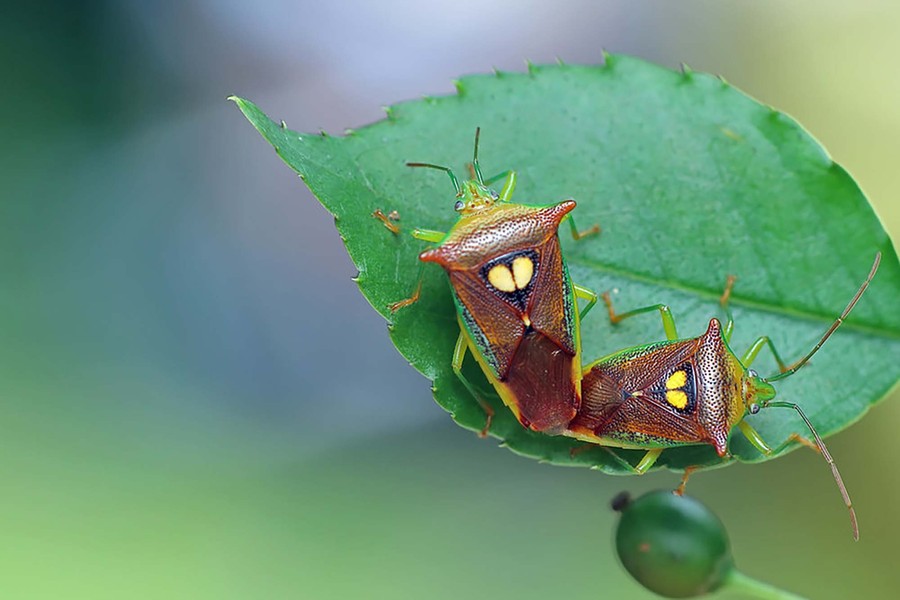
{"x": 675, "y": 393}
{"x": 510, "y": 280}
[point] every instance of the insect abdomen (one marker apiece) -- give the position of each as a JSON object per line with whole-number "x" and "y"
{"x": 541, "y": 385}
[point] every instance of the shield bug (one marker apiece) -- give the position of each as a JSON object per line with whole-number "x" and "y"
{"x": 689, "y": 391}
{"x": 515, "y": 301}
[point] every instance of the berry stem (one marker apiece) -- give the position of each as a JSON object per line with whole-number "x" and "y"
{"x": 755, "y": 588}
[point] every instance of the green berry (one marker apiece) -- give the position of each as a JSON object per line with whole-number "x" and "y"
{"x": 673, "y": 545}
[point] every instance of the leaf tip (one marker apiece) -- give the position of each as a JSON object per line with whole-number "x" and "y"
{"x": 686, "y": 70}
{"x": 243, "y": 105}
{"x": 460, "y": 88}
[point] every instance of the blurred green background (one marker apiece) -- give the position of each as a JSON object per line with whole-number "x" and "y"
{"x": 198, "y": 403}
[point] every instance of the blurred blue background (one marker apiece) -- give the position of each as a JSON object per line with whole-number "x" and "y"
{"x": 198, "y": 403}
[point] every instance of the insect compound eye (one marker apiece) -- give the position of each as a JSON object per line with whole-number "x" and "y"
{"x": 752, "y": 373}
{"x": 459, "y": 205}
{"x": 495, "y": 195}
{"x": 754, "y": 408}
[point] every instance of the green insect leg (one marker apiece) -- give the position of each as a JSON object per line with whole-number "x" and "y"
{"x": 645, "y": 463}
{"x": 648, "y": 461}
{"x": 426, "y": 235}
{"x": 752, "y": 352}
{"x": 576, "y": 234}
{"x": 509, "y": 185}
{"x": 585, "y": 294}
{"x": 664, "y": 312}
{"x": 723, "y": 301}
{"x": 459, "y": 355}
{"x": 429, "y": 235}
{"x": 754, "y": 438}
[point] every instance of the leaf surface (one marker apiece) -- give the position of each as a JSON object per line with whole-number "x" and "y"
{"x": 691, "y": 181}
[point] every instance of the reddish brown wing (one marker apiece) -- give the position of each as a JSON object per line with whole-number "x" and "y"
{"x": 495, "y": 325}
{"x": 551, "y": 305}
{"x": 625, "y": 397}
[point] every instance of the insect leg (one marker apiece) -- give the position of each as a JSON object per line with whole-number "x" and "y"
{"x": 395, "y": 306}
{"x": 508, "y": 186}
{"x": 575, "y": 451}
{"x": 621, "y": 460}
{"x": 585, "y": 294}
{"x": 459, "y": 355}
{"x": 648, "y": 460}
{"x": 576, "y": 234}
{"x": 723, "y": 301}
{"x": 426, "y": 235}
{"x": 665, "y": 313}
{"x": 754, "y": 438}
{"x": 500, "y": 176}
{"x": 679, "y": 491}
{"x": 388, "y": 220}
{"x": 753, "y": 351}
{"x": 757, "y": 441}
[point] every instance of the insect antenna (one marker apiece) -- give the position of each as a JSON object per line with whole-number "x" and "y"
{"x": 439, "y": 168}
{"x": 475, "y": 165}
{"x": 837, "y": 323}
{"x": 827, "y": 455}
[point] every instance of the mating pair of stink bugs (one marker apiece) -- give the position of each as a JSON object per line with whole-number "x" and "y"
{"x": 518, "y": 315}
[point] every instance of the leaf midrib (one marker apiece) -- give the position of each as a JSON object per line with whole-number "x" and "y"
{"x": 599, "y": 267}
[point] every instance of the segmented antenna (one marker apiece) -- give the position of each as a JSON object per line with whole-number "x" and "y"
{"x": 439, "y": 168}
{"x": 475, "y": 165}
{"x": 797, "y": 365}
{"x": 827, "y": 455}
{"x": 837, "y": 323}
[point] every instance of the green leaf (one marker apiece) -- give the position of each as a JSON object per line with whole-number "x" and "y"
{"x": 691, "y": 181}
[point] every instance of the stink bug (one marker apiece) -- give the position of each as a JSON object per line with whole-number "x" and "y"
{"x": 516, "y": 304}
{"x": 689, "y": 391}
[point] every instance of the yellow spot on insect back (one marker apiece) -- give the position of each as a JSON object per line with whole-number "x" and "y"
{"x": 677, "y": 398}
{"x": 676, "y": 380}
{"x": 523, "y": 271}
{"x": 502, "y": 278}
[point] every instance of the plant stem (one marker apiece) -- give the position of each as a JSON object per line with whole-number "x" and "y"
{"x": 738, "y": 581}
